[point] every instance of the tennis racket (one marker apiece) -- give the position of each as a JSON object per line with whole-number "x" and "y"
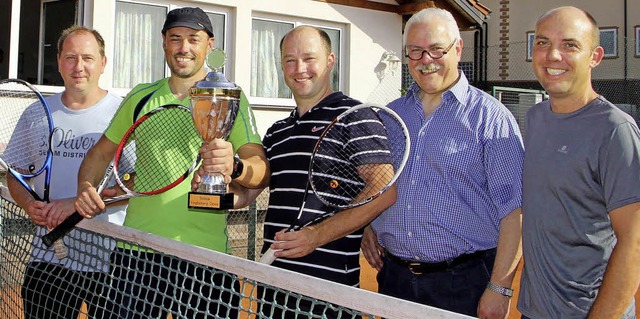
{"x": 358, "y": 156}
{"x": 25, "y": 138}
{"x": 156, "y": 153}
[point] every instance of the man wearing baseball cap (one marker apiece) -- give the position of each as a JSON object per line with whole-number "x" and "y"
{"x": 193, "y": 18}
{"x": 187, "y": 38}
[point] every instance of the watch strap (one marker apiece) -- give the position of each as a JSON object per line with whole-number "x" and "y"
{"x": 238, "y": 167}
{"x": 499, "y": 289}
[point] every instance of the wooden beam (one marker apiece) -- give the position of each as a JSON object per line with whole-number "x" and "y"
{"x": 411, "y": 8}
{"x": 364, "y": 4}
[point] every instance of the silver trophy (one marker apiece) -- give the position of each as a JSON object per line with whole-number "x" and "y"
{"x": 214, "y": 105}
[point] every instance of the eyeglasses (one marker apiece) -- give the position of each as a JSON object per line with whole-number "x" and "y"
{"x": 416, "y": 54}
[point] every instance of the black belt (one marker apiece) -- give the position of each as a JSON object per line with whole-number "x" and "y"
{"x": 418, "y": 268}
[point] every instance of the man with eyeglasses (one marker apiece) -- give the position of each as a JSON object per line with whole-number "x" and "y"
{"x": 452, "y": 239}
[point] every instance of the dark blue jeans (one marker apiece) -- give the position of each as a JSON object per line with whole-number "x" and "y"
{"x": 456, "y": 289}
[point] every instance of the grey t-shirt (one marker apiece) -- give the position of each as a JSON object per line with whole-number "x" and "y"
{"x": 578, "y": 167}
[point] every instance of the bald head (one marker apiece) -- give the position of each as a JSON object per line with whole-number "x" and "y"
{"x": 574, "y": 15}
{"x": 313, "y": 31}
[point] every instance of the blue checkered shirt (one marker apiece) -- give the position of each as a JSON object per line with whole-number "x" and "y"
{"x": 463, "y": 176}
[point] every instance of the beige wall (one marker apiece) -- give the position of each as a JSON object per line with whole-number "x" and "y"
{"x": 368, "y": 34}
{"x": 522, "y": 16}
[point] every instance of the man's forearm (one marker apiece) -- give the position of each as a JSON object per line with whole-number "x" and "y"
{"x": 509, "y": 249}
{"x": 622, "y": 276}
{"x": 255, "y": 172}
{"x": 619, "y": 285}
{"x": 348, "y": 221}
{"x": 242, "y": 196}
{"x": 92, "y": 169}
{"x": 18, "y": 193}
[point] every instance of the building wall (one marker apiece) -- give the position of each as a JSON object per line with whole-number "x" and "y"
{"x": 510, "y": 21}
{"x": 368, "y": 35}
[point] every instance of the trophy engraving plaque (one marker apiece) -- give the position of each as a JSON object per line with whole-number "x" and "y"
{"x": 214, "y": 105}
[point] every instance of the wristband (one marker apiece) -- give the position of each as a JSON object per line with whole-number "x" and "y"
{"x": 238, "y": 167}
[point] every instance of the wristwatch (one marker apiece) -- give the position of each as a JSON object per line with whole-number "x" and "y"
{"x": 499, "y": 289}
{"x": 238, "y": 167}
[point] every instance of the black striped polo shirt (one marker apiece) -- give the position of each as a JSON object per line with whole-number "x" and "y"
{"x": 289, "y": 144}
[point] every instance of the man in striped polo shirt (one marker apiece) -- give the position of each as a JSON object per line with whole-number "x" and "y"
{"x": 329, "y": 249}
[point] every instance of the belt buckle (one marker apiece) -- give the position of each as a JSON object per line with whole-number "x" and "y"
{"x": 414, "y": 268}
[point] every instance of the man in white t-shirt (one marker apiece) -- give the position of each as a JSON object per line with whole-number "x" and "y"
{"x": 80, "y": 114}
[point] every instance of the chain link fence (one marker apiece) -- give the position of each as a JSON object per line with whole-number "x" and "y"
{"x": 245, "y": 228}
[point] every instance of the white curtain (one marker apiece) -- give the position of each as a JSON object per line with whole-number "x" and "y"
{"x": 266, "y": 74}
{"x": 138, "y": 57}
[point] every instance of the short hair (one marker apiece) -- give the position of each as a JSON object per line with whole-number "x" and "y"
{"x": 326, "y": 40}
{"x": 78, "y": 28}
{"x": 424, "y": 15}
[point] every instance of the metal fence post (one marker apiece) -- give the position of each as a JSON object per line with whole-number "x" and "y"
{"x": 251, "y": 229}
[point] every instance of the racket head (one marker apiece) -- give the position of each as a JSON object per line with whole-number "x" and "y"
{"x": 359, "y": 156}
{"x": 25, "y": 138}
{"x": 25, "y": 131}
{"x": 158, "y": 152}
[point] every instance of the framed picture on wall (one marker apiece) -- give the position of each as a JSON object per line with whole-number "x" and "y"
{"x": 609, "y": 41}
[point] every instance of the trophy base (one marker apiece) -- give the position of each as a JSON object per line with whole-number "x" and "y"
{"x": 210, "y": 201}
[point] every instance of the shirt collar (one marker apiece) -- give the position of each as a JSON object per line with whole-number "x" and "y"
{"x": 326, "y": 101}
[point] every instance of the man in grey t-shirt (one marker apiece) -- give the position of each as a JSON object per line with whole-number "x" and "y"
{"x": 581, "y": 183}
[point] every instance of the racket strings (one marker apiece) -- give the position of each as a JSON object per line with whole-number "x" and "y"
{"x": 160, "y": 151}
{"x": 25, "y": 130}
{"x": 353, "y": 160}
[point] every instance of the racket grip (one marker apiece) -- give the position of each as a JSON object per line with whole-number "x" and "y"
{"x": 268, "y": 257}
{"x": 64, "y": 228}
{"x": 60, "y": 249}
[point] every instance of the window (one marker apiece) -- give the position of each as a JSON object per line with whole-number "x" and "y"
{"x": 57, "y": 16}
{"x": 266, "y": 70}
{"x": 219, "y": 30}
{"x": 609, "y": 41}
{"x": 267, "y": 80}
{"x": 531, "y": 37}
{"x": 637, "y": 33}
{"x": 38, "y": 38}
{"x": 138, "y": 55}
